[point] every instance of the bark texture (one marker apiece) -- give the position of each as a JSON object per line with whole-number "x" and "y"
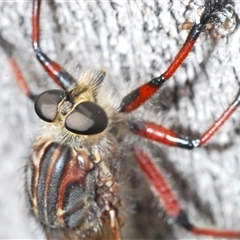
{"x": 133, "y": 41}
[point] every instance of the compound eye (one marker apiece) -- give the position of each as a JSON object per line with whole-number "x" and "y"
{"x": 46, "y": 104}
{"x": 87, "y": 119}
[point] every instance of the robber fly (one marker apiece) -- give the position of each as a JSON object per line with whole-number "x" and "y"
{"x": 72, "y": 172}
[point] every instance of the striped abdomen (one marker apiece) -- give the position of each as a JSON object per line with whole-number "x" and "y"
{"x": 60, "y": 185}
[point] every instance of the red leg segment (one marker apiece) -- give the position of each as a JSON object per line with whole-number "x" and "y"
{"x": 21, "y": 80}
{"x": 160, "y": 134}
{"x": 9, "y": 50}
{"x": 138, "y": 96}
{"x": 168, "y": 199}
{"x": 160, "y": 186}
{"x": 220, "y": 121}
{"x": 55, "y": 71}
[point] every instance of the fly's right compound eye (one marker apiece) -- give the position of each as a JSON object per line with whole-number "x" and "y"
{"x": 46, "y": 104}
{"x": 87, "y": 119}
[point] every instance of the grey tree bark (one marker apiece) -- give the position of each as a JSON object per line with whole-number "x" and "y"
{"x": 133, "y": 41}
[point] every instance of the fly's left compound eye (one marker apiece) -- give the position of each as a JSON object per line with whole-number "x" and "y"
{"x": 46, "y": 104}
{"x": 87, "y": 119}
